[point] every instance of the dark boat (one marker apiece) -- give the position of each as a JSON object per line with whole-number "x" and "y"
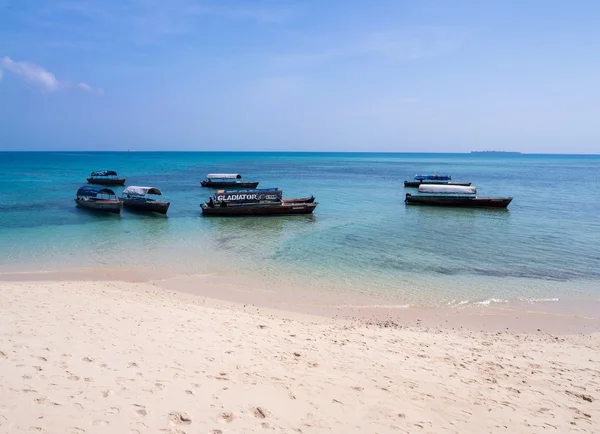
{"x": 262, "y": 202}
{"x": 227, "y": 180}
{"x": 299, "y": 200}
{"x": 454, "y": 196}
{"x": 98, "y": 199}
{"x": 430, "y": 182}
{"x": 438, "y": 179}
{"x": 105, "y": 177}
{"x": 137, "y": 198}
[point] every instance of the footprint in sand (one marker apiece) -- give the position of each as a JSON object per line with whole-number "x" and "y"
{"x": 112, "y": 411}
{"x": 226, "y": 417}
{"x": 178, "y": 418}
{"x": 140, "y": 410}
{"x": 259, "y": 412}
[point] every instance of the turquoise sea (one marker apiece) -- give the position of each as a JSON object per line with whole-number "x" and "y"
{"x": 362, "y": 237}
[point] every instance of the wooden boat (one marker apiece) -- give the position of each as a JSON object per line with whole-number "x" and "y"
{"x": 256, "y": 202}
{"x": 299, "y": 200}
{"x": 226, "y": 180}
{"x": 98, "y": 199}
{"x": 137, "y": 198}
{"x": 437, "y": 179}
{"x": 105, "y": 177}
{"x": 417, "y": 183}
{"x": 454, "y": 196}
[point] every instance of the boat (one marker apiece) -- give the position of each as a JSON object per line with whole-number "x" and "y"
{"x": 267, "y": 201}
{"x": 454, "y": 196}
{"x": 227, "y": 180}
{"x": 98, "y": 199}
{"x": 434, "y": 178}
{"x": 310, "y": 199}
{"x": 135, "y": 197}
{"x": 105, "y": 177}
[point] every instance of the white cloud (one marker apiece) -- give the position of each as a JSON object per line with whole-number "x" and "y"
{"x": 85, "y": 87}
{"x": 37, "y": 76}
{"x": 32, "y": 73}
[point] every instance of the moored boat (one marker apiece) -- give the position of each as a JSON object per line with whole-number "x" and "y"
{"x": 105, "y": 177}
{"x": 417, "y": 183}
{"x": 454, "y": 196}
{"x": 135, "y": 197}
{"x": 310, "y": 199}
{"x": 256, "y": 202}
{"x": 227, "y": 180}
{"x": 437, "y": 179}
{"x": 98, "y": 199}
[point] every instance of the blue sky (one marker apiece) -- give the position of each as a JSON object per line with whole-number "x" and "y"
{"x": 440, "y": 76}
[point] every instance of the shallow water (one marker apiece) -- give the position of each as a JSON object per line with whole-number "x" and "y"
{"x": 362, "y": 236}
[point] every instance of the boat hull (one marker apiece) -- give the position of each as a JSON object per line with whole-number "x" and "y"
{"x": 153, "y": 206}
{"x": 107, "y": 206}
{"x": 417, "y": 183}
{"x": 107, "y": 181}
{"x": 300, "y": 200}
{"x": 259, "y": 209}
{"x": 459, "y": 202}
{"x": 229, "y": 185}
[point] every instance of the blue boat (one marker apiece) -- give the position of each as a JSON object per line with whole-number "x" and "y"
{"x": 434, "y": 178}
{"x": 98, "y": 199}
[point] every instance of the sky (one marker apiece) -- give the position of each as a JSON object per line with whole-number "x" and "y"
{"x": 300, "y": 75}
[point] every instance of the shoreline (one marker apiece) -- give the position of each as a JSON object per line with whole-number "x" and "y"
{"x": 552, "y": 316}
{"x": 106, "y": 356}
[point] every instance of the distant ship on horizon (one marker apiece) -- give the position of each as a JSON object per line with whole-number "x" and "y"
{"x": 496, "y": 152}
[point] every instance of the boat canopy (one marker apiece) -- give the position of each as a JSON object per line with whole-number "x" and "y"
{"x": 104, "y": 173}
{"x": 433, "y": 176}
{"x": 446, "y": 189}
{"x": 89, "y": 191}
{"x": 249, "y": 190}
{"x": 224, "y": 176}
{"x": 141, "y": 191}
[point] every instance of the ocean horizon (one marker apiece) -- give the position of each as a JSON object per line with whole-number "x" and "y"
{"x": 361, "y": 239}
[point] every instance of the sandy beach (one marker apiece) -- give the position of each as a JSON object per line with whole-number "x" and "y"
{"x": 116, "y": 357}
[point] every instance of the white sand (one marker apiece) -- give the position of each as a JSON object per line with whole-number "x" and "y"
{"x": 131, "y": 358}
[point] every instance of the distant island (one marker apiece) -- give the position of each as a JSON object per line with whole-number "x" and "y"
{"x": 496, "y": 152}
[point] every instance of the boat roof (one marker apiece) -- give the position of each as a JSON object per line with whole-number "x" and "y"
{"x": 446, "y": 189}
{"x": 141, "y": 191}
{"x": 442, "y": 176}
{"x": 253, "y": 190}
{"x": 90, "y": 191}
{"x": 104, "y": 173}
{"x": 224, "y": 176}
